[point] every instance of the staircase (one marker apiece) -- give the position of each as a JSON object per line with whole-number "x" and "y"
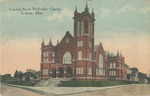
{"x": 51, "y": 82}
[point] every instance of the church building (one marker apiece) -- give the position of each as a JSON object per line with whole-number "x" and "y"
{"x": 78, "y": 57}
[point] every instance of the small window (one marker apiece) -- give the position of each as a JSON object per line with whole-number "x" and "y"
{"x": 90, "y": 44}
{"x": 53, "y": 54}
{"x": 96, "y": 71}
{"x": 81, "y": 70}
{"x": 90, "y": 70}
{"x": 44, "y": 54}
{"x": 79, "y": 55}
{"x": 114, "y": 65}
{"x": 90, "y": 56}
{"x": 100, "y": 71}
{"x": 111, "y": 66}
{"x": 67, "y": 40}
{"x": 81, "y": 43}
{"x": 76, "y": 70}
{"x": 53, "y": 60}
{"x": 47, "y": 54}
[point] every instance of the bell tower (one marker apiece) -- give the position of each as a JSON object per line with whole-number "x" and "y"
{"x": 84, "y": 23}
{"x": 84, "y": 41}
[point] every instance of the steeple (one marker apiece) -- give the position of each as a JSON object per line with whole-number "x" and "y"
{"x": 76, "y": 10}
{"x": 86, "y": 8}
{"x": 50, "y": 42}
{"x": 43, "y": 42}
{"x": 117, "y": 52}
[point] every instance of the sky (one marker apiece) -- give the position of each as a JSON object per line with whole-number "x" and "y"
{"x": 120, "y": 24}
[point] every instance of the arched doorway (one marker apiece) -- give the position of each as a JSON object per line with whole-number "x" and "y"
{"x": 61, "y": 72}
{"x": 69, "y": 72}
{"x": 53, "y": 73}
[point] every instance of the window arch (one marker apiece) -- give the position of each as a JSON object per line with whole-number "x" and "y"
{"x": 100, "y": 61}
{"x": 78, "y": 28}
{"x": 67, "y": 59}
{"x": 82, "y": 27}
{"x": 79, "y": 55}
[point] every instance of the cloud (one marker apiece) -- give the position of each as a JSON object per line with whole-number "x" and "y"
{"x": 122, "y": 29}
{"x": 125, "y": 8}
{"x": 144, "y": 10}
{"x": 104, "y": 12}
{"x": 59, "y": 16}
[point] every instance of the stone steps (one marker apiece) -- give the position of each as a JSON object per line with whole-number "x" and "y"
{"x": 51, "y": 82}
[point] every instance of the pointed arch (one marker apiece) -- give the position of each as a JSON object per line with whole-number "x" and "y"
{"x": 100, "y": 61}
{"x": 67, "y": 59}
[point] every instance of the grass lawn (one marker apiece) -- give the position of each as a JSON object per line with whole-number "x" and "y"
{"x": 74, "y": 83}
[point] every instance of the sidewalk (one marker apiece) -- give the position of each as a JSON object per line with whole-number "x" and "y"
{"x": 66, "y": 90}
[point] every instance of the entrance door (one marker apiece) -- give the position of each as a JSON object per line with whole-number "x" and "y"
{"x": 61, "y": 72}
{"x": 69, "y": 72}
{"x": 53, "y": 73}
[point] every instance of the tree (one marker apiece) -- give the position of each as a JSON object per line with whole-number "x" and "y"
{"x": 16, "y": 75}
{"x": 142, "y": 76}
{"x": 20, "y": 75}
{"x": 27, "y": 79}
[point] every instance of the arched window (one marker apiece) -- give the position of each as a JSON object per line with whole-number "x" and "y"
{"x": 78, "y": 28}
{"x": 100, "y": 61}
{"x": 67, "y": 59}
{"x": 82, "y": 27}
{"x": 90, "y": 55}
{"x": 79, "y": 55}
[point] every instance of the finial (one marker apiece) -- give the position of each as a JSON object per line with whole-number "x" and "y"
{"x": 117, "y": 52}
{"x": 76, "y": 9}
{"x": 120, "y": 53}
{"x": 43, "y": 42}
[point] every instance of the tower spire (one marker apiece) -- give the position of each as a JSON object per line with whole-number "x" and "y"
{"x": 50, "y": 42}
{"x": 86, "y": 8}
